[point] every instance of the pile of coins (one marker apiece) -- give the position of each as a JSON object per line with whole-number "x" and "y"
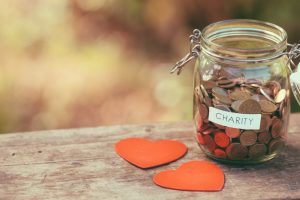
{"x": 244, "y": 96}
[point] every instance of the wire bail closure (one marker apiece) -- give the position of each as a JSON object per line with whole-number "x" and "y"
{"x": 195, "y": 50}
{"x": 294, "y": 53}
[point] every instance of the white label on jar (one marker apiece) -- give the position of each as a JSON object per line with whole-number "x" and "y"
{"x": 234, "y": 120}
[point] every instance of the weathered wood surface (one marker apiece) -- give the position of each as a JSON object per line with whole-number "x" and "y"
{"x": 82, "y": 164}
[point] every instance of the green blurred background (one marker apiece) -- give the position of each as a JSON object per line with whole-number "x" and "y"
{"x": 78, "y": 63}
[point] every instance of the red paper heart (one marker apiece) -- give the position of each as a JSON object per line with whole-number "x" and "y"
{"x": 145, "y": 153}
{"x": 192, "y": 176}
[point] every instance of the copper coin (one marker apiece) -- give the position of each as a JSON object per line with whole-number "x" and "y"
{"x": 205, "y": 126}
{"x": 257, "y": 151}
{"x": 265, "y": 123}
{"x": 221, "y": 139}
{"x": 267, "y": 91}
{"x": 203, "y": 111}
{"x": 204, "y": 91}
{"x": 239, "y": 95}
{"x": 258, "y": 97}
{"x": 236, "y": 151}
{"x": 209, "y": 143}
{"x": 275, "y": 145}
{"x": 224, "y": 81}
{"x": 223, "y": 107}
{"x": 274, "y": 87}
{"x": 220, "y": 92}
{"x": 280, "y": 96}
{"x": 253, "y": 82}
{"x": 225, "y": 100}
{"x": 264, "y": 137}
{"x": 236, "y": 105}
{"x": 248, "y": 138}
{"x": 216, "y": 102}
{"x": 263, "y": 92}
{"x": 276, "y": 127}
{"x": 267, "y": 106}
{"x": 207, "y": 101}
{"x": 209, "y": 84}
{"x": 227, "y": 86}
{"x": 222, "y": 78}
{"x": 232, "y": 132}
{"x": 208, "y": 131}
{"x": 220, "y": 153}
{"x": 249, "y": 106}
{"x": 239, "y": 80}
{"x": 200, "y": 139}
{"x": 245, "y": 89}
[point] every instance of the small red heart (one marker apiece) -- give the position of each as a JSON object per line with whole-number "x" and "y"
{"x": 145, "y": 153}
{"x": 192, "y": 176}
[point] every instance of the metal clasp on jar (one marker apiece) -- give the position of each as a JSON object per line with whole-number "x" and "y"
{"x": 195, "y": 49}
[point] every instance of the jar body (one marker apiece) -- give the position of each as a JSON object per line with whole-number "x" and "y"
{"x": 227, "y": 95}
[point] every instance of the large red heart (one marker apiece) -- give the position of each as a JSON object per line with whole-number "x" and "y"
{"x": 145, "y": 153}
{"x": 192, "y": 176}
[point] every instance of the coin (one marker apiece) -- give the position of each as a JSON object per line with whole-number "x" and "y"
{"x": 220, "y": 92}
{"x": 256, "y": 151}
{"x": 280, "y": 96}
{"x": 239, "y": 95}
{"x": 235, "y": 105}
{"x": 220, "y": 153}
{"x": 208, "y": 131}
{"x": 202, "y": 88}
{"x": 248, "y": 138}
{"x": 225, "y": 100}
{"x": 236, "y": 151}
{"x": 232, "y": 132}
{"x": 267, "y": 91}
{"x": 265, "y": 123}
{"x": 264, "y": 137}
{"x": 222, "y": 78}
{"x": 227, "y": 86}
{"x": 253, "y": 81}
{"x": 221, "y": 139}
{"x": 223, "y": 107}
{"x": 276, "y": 127}
{"x": 275, "y": 145}
{"x": 207, "y": 101}
{"x": 258, "y": 97}
{"x": 274, "y": 87}
{"x": 209, "y": 143}
{"x": 216, "y": 102}
{"x": 262, "y": 91}
{"x": 224, "y": 81}
{"x": 203, "y": 111}
{"x": 267, "y": 106}
{"x": 209, "y": 84}
{"x": 249, "y": 106}
{"x": 200, "y": 138}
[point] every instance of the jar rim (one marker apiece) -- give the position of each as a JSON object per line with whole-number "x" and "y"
{"x": 238, "y": 27}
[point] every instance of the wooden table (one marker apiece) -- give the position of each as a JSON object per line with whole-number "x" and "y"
{"x": 82, "y": 164}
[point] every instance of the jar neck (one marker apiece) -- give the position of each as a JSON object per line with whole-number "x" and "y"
{"x": 240, "y": 41}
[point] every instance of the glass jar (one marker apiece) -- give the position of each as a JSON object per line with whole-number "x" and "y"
{"x": 241, "y": 101}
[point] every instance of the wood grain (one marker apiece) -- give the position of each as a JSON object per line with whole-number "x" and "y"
{"x": 82, "y": 164}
